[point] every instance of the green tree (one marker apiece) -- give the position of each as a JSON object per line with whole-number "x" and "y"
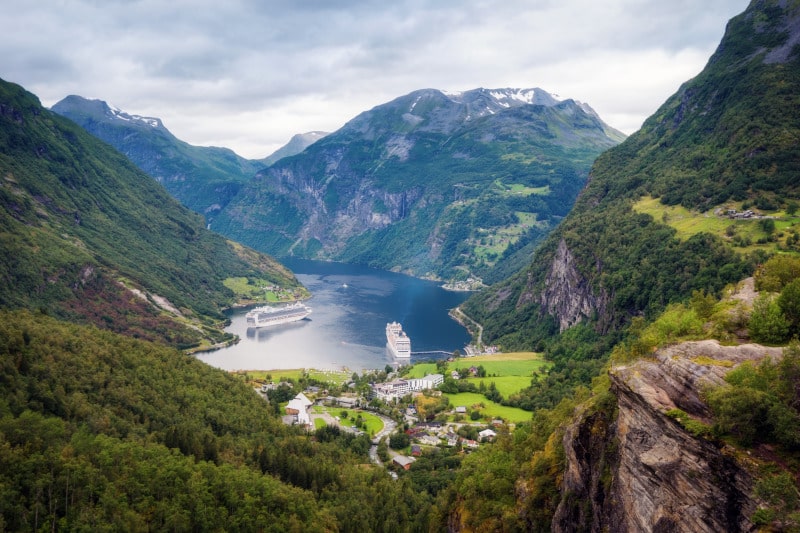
{"x": 399, "y": 440}
{"x": 789, "y": 302}
{"x": 702, "y": 304}
{"x": 767, "y": 323}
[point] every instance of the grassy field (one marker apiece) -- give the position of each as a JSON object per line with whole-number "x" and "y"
{"x": 499, "y": 364}
{"x": 506, "y": 385}
{"x": 688, "y": 223}
{"x": 372, "y": 423}
{"x": 327, "y": 376}
{"x": 510, "y": 372}
{"x": 491, "y": 245}
{"x": 491, "y": 409}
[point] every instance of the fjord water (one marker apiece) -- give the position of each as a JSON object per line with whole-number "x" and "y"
{"x": 347, "y": 328}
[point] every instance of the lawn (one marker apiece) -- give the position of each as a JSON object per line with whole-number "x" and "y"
{"x": 506, "y": 385}
{"x": 510, "y": 372}
{"x": 498, "y": 365}
{"x": 324, "y": 376}
{"x": 491, "y": 409}
{"x": 502, "y": 365}
{"x": 372, "y": 423}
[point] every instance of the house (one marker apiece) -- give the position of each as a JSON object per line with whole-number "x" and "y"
{"x": 298, "y": 407}
{"x": 428, "y": 440}
{"x": 455, "y": 375}
{"x": 461, "y": 410}
{"x": 403, "y": 461}
{"x": 487, "y": 434}
{"x": 416, "y": 450}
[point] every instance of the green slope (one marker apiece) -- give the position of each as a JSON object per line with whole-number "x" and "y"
{"x": 87, "y": 236}
{"x": 202, "y": 178}
{"x": 100, "y": 432}
{"x": 727, "y": 138}
{"x": 428, "y": 184}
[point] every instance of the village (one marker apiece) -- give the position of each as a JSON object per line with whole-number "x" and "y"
{"x": 403, "y": 417}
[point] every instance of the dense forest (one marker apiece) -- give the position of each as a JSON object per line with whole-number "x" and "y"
{"x": 102, "y": 432}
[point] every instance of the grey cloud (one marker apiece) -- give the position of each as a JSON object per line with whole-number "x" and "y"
{"x": 284, "y": 58}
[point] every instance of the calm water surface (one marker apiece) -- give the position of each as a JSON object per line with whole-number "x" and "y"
{"x": 347, "y": 328}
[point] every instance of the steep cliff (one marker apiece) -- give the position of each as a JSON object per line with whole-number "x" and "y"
{"x": 642, "y": 470}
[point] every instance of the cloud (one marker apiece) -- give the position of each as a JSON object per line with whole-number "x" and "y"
{"x": 248, "y": 74}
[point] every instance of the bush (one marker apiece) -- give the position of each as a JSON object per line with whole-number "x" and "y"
{"x": 767, "y": 323}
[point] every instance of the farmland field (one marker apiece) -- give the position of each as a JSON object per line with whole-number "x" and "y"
{"x": 491, "y": 409}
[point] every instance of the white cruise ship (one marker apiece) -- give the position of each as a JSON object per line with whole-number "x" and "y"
{"x": 397, "y": 340}
{"x": 273, "y": 315}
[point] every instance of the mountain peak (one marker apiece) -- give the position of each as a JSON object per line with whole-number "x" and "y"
{"x": 102, "y": 110}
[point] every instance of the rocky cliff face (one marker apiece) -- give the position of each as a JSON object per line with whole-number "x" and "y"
{"x": 642, "y": 470}
{"x": 567, "y": 295}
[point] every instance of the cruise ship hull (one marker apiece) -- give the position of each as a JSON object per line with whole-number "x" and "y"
{"x": 261, "y": 317}
{"x": 397, "y": 341}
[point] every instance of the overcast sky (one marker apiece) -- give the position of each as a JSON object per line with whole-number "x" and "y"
{"x": 248, "y": 74}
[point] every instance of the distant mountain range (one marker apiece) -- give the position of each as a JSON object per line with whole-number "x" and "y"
{"x": 432, "y": 184}
{"x": 204, "y": 179}
{"x": 296, "y": 144}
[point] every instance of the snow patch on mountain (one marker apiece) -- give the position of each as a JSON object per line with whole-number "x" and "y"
{"x": 116, "y": 113}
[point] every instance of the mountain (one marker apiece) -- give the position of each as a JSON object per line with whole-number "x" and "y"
{"x": 296, "y": 144}
{"x": 662, "y": 414}
{"x": 203, "y": 178}
{"x": 654, "y": 221}
{"x": 87, "y": 236}
{"x": 433, "y": 184}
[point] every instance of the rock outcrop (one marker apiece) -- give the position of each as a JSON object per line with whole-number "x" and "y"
{"x": 641, "y": 470}
{"x": 567, "y": 295}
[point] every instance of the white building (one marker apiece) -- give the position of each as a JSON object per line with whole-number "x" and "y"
{"x": 431, "y": 381}
{"x": 299, "y": 408}
{"x": 392, "y": 390}
{"x": 487, "y": 434}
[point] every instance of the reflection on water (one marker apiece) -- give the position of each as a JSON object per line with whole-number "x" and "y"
{"x": 347, "y": 327}
{"x": 264, "y": 334}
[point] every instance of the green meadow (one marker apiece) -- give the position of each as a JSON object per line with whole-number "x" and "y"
{"x": 745, "y": 234}
{"x": 489, "y": 409}
{"x": 497, "y": 365}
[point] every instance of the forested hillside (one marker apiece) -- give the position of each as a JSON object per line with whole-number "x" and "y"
{"x": 86, "y": 236}
{"x": 204, "y": 179}
{"x": 658, "y": 413}
{"x": 727, "y": 140}
{"x": 105, "y": 433}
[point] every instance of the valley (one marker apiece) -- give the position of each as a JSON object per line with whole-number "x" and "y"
{"x": 639, "y": 296}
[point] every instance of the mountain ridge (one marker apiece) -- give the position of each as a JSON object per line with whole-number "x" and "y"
{"x": 202, "y": 178}
{"x": 726, "y": 138}
{"x": 89, "y": 237}
{"x": 401, "y": 175}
